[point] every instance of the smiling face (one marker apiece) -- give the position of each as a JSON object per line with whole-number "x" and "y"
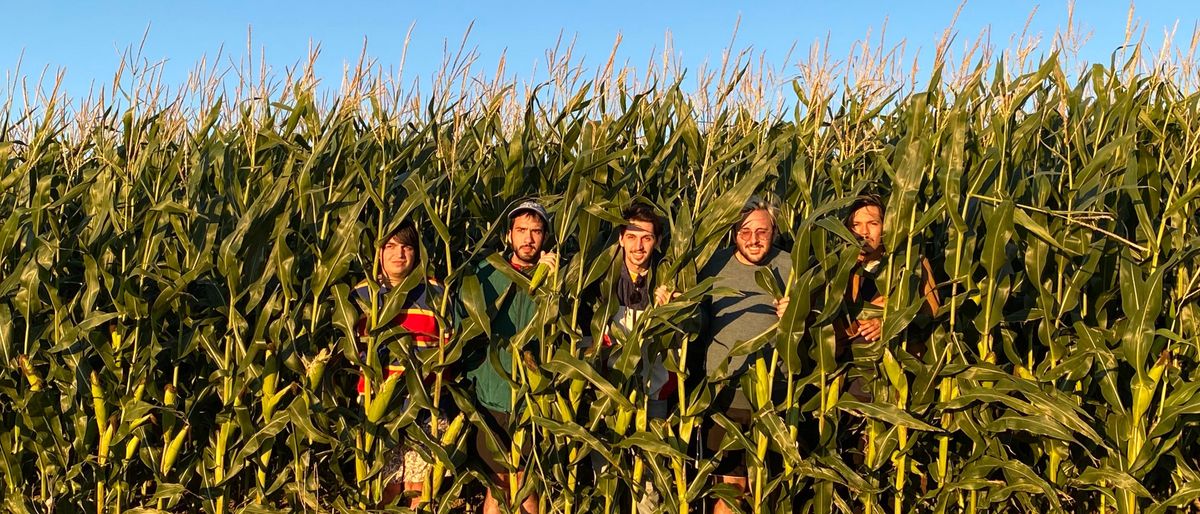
{"x": 867, "y": 224}
{"x": 753, "y": 237}
{"x": 526, "y": 236}
{"x": 637, "y": 241}
{"x": 397, "y": 259}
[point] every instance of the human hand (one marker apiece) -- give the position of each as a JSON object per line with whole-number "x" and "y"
{"x": 663, "y": 295}
{"x": 781, "y": 305}
{"x": 550, "y": 259}
{"x": 870, "y": 329}
{"x": 530, "y": 362}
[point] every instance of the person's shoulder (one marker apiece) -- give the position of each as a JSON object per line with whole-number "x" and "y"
{"x": 927, "y": 269}
{"x": 782, "y": 258}
{"x": 425, "y": 293}
{"x": 484, "y": 268}
{"x": 362, "y": 290}
{"x": 433, "y": 286}
{"x": 489, "y": 276}
{"x": 717, "y": 262}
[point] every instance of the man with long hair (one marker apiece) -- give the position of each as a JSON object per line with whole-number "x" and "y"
{"x": 737, "y": 318}
{"x": 862, "y": 330}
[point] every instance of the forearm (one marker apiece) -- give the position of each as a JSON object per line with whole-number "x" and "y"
{"x": 844, "y": 331}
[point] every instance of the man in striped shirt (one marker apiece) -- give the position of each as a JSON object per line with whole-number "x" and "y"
{"x": 399, "y": 258}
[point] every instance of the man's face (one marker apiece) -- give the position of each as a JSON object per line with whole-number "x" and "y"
{"x": 638, "y": 242}
{"x": 398, "y": 259}
{"x": 867, "y": 224}
{"x": 526, "y": 237}
{"x": 754, "y": 237}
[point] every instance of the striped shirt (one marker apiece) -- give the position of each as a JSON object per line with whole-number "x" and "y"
{"x": 416, "y": 316}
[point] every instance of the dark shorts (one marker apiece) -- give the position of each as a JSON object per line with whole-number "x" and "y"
{"x": 494, "y": 459}
{"x": 659, "y": 409}
{"x": 733, "y": 462}
{"x": 733, "y": 404}
{"x": 859, "y": 389}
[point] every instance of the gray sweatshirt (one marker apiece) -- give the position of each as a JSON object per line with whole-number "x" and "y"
{"x": 735, "y": 319}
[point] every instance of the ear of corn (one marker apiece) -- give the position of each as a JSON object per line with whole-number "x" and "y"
{"x": 177, "y": 273}
{"x": 539, "y": 275}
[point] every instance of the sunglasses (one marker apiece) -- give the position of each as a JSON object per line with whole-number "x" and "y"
{"x": 636, "y": 296}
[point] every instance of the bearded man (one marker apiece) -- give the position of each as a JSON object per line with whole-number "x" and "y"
{"x": 734, "y": 319}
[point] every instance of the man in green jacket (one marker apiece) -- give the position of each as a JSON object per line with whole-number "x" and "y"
{"x": 515, "y": 308}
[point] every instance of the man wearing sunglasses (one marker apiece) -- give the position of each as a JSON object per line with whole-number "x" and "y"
{"x": 736, "y": 318}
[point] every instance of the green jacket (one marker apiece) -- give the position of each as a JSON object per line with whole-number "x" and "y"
{"x": 510, "y": 308}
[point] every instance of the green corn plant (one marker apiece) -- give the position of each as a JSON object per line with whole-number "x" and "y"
{"x": 177, "y": 318}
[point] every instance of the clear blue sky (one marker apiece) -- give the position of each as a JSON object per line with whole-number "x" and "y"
{"x": 87, "y": 38}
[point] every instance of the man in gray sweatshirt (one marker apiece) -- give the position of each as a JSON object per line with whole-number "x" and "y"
{"x": 734, "y": 319}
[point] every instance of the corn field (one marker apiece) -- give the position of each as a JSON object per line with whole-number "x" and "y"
{"x": 178, "y": 331}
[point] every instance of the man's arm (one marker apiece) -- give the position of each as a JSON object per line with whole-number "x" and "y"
{"x": 929, "y": 289}
{"x": 590, "y": 305}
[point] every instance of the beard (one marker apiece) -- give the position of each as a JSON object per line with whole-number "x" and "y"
{"x": 754, "y": 253}
{"x": 527, "y": 253}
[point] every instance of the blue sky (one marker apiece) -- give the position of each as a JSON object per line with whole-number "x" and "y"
{"x": 87, "y": 38}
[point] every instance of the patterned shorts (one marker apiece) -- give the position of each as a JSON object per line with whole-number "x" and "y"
{"x": 408, "y": 464}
